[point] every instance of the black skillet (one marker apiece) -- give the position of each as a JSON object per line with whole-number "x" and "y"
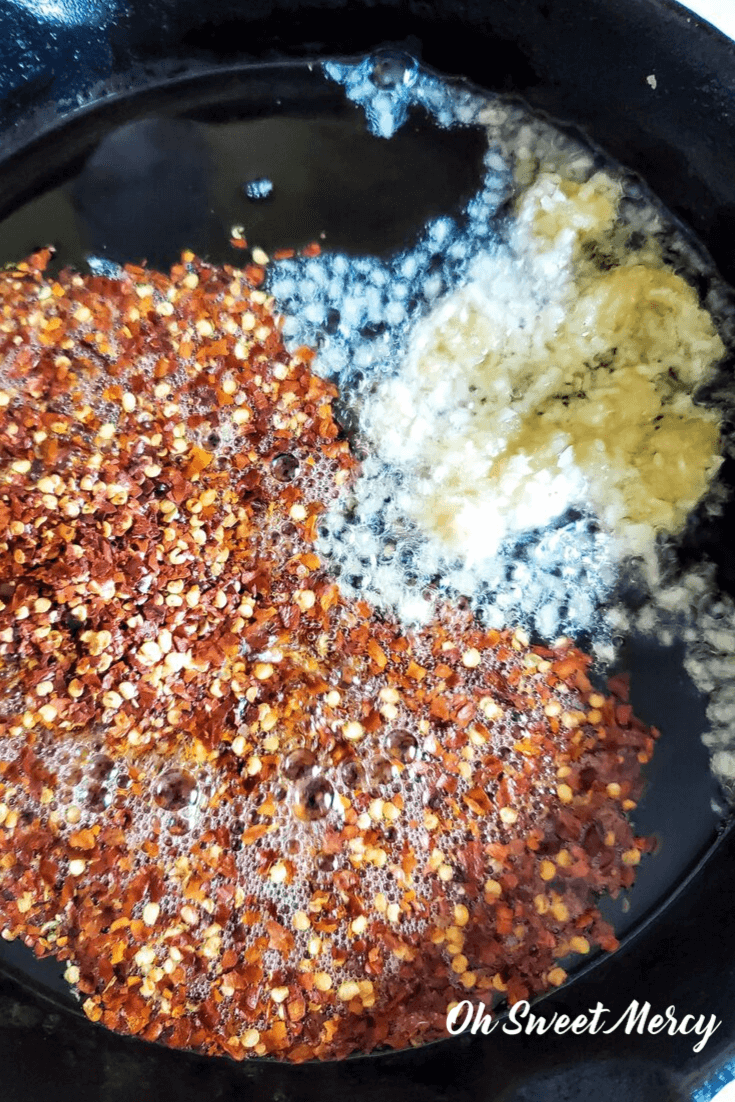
{"x": 129, "y": 132}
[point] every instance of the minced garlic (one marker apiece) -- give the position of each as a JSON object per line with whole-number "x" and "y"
{"x": 560, "y": 375}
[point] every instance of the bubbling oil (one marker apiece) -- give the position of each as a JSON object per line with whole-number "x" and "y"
{"x": 362, "y": 315}
{"x": 409, "y": 338}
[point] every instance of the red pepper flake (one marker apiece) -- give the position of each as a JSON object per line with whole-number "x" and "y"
{"x": 314, "y": 830}
{"x": 82, "y": 839}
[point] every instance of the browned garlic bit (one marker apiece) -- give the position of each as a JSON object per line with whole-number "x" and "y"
{"x": 254, "y": 817}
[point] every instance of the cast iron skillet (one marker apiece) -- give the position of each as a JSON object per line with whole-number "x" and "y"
{"x": 102, "y": 110}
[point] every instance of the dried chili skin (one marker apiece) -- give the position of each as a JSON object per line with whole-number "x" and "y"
{"x": 252, "y": 816}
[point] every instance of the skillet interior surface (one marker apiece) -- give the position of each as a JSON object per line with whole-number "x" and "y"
{"x": 219, "y": 129}
{"x": 163, "y": 171}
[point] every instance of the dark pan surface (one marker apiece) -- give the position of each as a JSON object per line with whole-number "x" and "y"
{"x": 216, "y": 131}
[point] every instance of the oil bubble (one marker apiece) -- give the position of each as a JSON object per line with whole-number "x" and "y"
{"x": 314, "y": 798}
{"x": 403, "y": 746}
{"x": 298, "y": 765}
{"x": 285, "y": 467}
{"x": 352, "y": 774}
{"x": 100, "y": 767}
{"x": 175, "y": 790}
{"x": 178, "y": 825}
{"x": 380, "y": 771}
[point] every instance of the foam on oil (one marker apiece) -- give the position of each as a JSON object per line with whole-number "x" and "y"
{"x": 546, "y": 549}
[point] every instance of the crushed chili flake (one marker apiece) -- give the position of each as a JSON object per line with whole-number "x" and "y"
{"x": 253, "y": 816}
